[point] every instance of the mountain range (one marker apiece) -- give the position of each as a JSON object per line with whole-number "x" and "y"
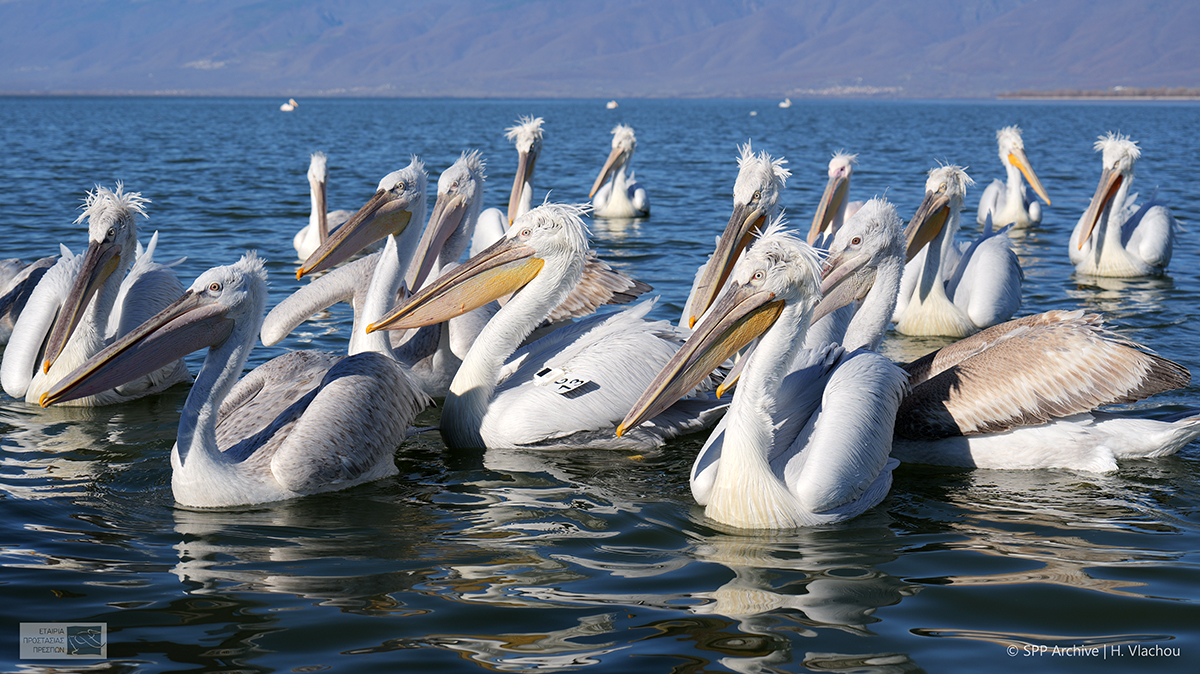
{"x": 594, "y": 49}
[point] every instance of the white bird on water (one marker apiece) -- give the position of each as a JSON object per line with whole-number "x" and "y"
{"x": 566, "y": 390}
{"x": 1010, "y": 202}
{"x": 526, "y": 135}
{"x": 834, "y": 209}
{"x": 302, "y": 423}
{"x": 17, "y": 281}
{"x": 807, "y": 435}
{"x": 1024, "y": 394}
{"x": 320, "y": 222}
{"x": 84, "y": 302}
{"x": 951, "y": 288}
{"x": 1115, "y": 237}
{"x": 615, "y": 194}
{"x": 289, "y": 106}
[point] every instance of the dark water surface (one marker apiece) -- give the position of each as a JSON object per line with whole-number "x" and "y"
{"x": 592, "y": 560}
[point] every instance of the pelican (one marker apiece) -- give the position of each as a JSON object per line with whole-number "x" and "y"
{"x": 950, "y": 288}
{"x": 833, "y": 208}
{"x": 399, "y": 199}
{"x": 320, "y": 222}
{"x": 1115, "y": 237}
{"x": 756, "y": 191}
{"x": 526, "y": 135}
{"x": 302, "y": 423}
{"x": 1011, "y": 203}
{"x": 566, "y": 390}
{"x": 289, "y": 106}
{"x": 785, "y": 103}
{"x": 808, "y": 432}
{"x": 16, "y": 286}
{"x": 613, "y": 194}
{"x": 1020, "y": 395}
{"x": 84, "y": 302}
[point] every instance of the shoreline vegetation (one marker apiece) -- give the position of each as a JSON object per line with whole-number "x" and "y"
{"x": 1112, "y": 93}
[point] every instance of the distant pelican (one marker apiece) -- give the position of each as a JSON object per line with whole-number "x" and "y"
{"x": 949, "y": 288}
{"x": 785, "y": 103}
{"x": 566, "y": 390}
{"x": 320, "y": 222}
{"x": 399, "y": 199}
{"x": 833, "y": 209}
{"x": 290, "y": 105}
{"x": 1021, "y": 395}
{"x": 1011, "y": 202}
{"x": 1115, "y": 237}
{"x": 302, "y": 423}
{"x": 526, "y": 134}
{"x": 614, "y": 195}
{"x": 611, "y": 105}
{"x": 804, "y": 443}
{"x": 84, "y": 302}
{"x": 19, "y": 280}
{"x": 756, "y": 191}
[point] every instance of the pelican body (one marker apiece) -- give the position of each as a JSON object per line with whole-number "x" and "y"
{"x": 615, "y": 194}
{"x": 1023, "y": 394}
{"x": 320, "y": 222}
{"x": 17, "y": 281}
{"x": 568, "y": 389}
{"x": 86, "y": 301}
{"x": 1010, "y": 202}
{"x": 1115, "y": 237}
{"x": 807, "y": 435}
{"x": 951, "y": 288}
{"x": 302, "y": 423}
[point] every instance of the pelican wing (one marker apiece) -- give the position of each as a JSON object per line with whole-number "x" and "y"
{"x": 258, "y": 405}
{"x": 147, "y": 289}
{"x": 600, "y": 285}
{"x": 992, "y": 200}
{"x": 17, "y": 291}
{"x": 1150, "y": 234}
{"x": 1029, "y": 371}
{"x": 986, "y": 283}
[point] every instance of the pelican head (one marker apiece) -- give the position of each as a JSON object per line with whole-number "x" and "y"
{"x": 400, "y": 194}
{"x": 459, "y": 200}
{"x": 1119, "y": 156}
{"x": 945, "y": 190}
{"x": 868, "y": 240}
{"x": 549, "y": 234}
{"x": 779, "y": 273}
{"x": 527, "y": 136}
{"x": 623, "y": 145}
{"x": 1012, "y": 152}
{"x": 112, "y": 241}
{"x": 204, "y": 316}
{"x": 756, "y": 192}
{"x": 841, "y": 166}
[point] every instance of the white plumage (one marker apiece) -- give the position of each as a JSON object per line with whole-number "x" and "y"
{"x": 1011, "y": 202}
{"x": 615, "y": 194}
{"x": 833, "y": 209}
{"x": 321, "y": 223}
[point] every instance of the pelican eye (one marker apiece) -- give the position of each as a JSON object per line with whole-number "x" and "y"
{"x": 758, "y": 275}
{"x": 757, "y": 196}
{"x": 526, "y": 232}
{"x": 856, "y": 241}
{"x": 112, "y": 231}
{"x": 214, "y": 287}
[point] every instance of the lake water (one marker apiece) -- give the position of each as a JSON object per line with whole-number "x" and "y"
{"x": 591, "y": 560}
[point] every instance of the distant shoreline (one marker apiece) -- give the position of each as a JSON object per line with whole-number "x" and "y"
{"x": 1114, "y": 94}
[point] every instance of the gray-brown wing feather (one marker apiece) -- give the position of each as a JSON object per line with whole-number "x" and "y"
{"x": 1048, "y": 366}
{"x": 600, "y": 285}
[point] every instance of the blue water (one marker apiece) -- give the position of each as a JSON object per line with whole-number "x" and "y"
{"x": 593, "y": 560}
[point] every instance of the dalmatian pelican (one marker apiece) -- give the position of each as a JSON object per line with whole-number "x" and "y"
{"x": 1010, "y": 202}
{"x": 526, "y": 135}
{"x": 615, "y": 194}
{"x": 833, "y": 209}
{"x": 1115, "y": 237}
{"x": 320, "y": 222}
{"x": 301, "y": 423}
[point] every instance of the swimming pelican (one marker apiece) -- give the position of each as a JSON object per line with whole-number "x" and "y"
{"x": 320, "y": 222}
{"x": 526, "y": 135}
{"x": 16, "y": 286}
{"x": 951, "y": 288}
{"x": 566, "y": 390}
{"x": 399, "y": 199}
{"x": 756, "y": 191}
{"x": 1115, "y": 237}
{"x": 833, "y": 209}
{"x": 613, "y": 194}
{"x": 302, "y": 423}
{"x": 289, "y": 106}
{"x": 1023, "y": 394}
{"x": 785, "y": 103}
{"x": 1011, "y": 202}
{"x": 807, "y": 435}
{"x": 84, "y": 302}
